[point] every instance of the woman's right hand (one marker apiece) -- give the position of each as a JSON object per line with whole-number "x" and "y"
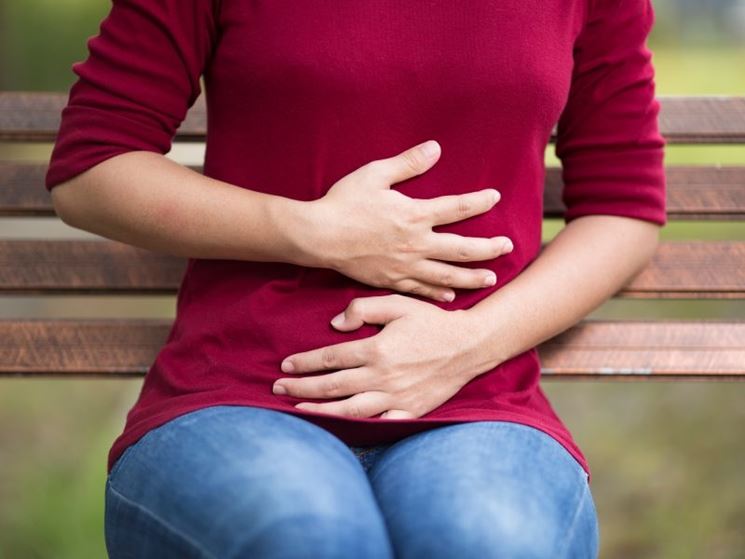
{"x": 384, "y": 238}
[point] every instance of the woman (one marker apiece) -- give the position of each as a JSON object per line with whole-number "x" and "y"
{"x": 378, "y": 161}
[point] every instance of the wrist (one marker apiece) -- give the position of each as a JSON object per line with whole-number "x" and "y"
{"x": 302, "y": 225}
{"x": 483, "y": 342}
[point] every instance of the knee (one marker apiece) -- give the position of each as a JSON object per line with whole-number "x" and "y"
{"x": 315, "y": 532}
{"x": 500, "y": 531}
{"x": 502, "y": 528}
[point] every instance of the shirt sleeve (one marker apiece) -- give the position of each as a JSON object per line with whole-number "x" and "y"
{"x": 140, "y": 78}
{"x": 608, "y": 137}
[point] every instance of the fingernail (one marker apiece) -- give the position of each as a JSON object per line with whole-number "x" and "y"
{"x": 495, "y": 195}
{"x": 430, "y": 149}
{"x": 279, "y": 389}
{"x": 338, "y": 319}
{"x": 287, "y": 366}
{"x": 449, "y": 296}
{"x": 490, "y": 279}
{"x": 508, "y": 246}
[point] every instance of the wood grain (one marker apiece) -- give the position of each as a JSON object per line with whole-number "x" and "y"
{"x": 35, "y": 116}
{"x": 713, "y": 192}
{"x": 592, "y": 349}
{"x": 679, "y": 269}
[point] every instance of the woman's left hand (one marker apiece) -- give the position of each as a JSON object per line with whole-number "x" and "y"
{"x": 419, "y": 360}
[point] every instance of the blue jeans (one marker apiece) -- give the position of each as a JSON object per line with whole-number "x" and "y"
{"x": 241, "y": 481}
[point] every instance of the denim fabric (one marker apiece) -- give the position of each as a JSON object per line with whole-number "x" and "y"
{"x": 241, "y": 481}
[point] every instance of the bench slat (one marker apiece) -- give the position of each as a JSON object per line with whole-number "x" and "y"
{"x": 34, "y": 116}
{"x": 647, "y": 348}
{"x": 31, "y": 266}
{"x": 701, "y": 269}
{"x": 693, "y": 192}
{"x": 591, "y": 349}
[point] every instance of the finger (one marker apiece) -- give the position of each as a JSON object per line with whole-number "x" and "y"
{"x": 398, "y": 414}
{"x": 407, "y": 164}
{"x": 329, "y": 385}
{"x": 345, "y": 355}
{"x": 441, "y": 273}
{"x": 417, "y": 287}
{"x": 456, "y": 207}
{"x": 365, "y": 404}
{"x": 380, "y": 309}
{"x": 454, "y": 247}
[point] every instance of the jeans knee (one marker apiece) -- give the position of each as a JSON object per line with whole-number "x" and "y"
{"x": 316, "y": 534}
{"x": 509, "y": 529}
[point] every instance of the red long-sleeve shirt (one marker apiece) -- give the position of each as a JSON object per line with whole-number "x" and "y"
{"x": 300, "y": 94}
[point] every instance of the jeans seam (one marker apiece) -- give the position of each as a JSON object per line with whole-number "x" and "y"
{"x": 162, "y": 522}
{"x": 573, "y": 525}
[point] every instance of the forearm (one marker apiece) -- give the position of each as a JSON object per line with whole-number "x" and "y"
{"x": 590, "y": 259}
{"x": 146, "y": 200}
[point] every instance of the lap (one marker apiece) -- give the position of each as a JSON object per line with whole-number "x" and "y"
{"x": 237, "y": 481}
{"x": 485, "y": 489}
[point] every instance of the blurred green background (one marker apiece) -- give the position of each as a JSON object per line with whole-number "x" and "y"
{"x": 667, "y": 458}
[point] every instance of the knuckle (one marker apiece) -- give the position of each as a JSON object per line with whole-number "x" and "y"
{"x": 417, "y": 213}
{"x": 354, "y": 410}
{"x": 412, "y": 160}
{"x": 328, "y": 357}
{"x": 375, "y": 351}
{"x": 408, "y": 246}
{"x": 413, "y": 405}
{"x": 400, "y": 228}
{"x": 404, "y": 284}
{"x": 418, "y": 410}
{"x": 464, "y": 253}
{"x": 446, "y": 278}
{"x": 332, "y": 388}
{"x": 396, "y": 384}
{"x": 438, "y": 211}
{"x": 394, "y": 275}
{"x": 464, "y": 206}
{"x": 355, "y": 307}
{"x": 400, "y": 284}
{"x": 416, "y": 289}
{"x": 384, "y": 276}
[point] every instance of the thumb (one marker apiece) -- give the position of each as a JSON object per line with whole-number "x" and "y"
{"x": 373, "y": 310}
{"x": 409, "y": 163}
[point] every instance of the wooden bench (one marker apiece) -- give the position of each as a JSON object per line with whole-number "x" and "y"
{"x": 617, "y": 349}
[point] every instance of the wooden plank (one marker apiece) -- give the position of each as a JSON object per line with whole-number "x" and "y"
{"x": 702, "y": 119}
{"x": 592, "y": 349}
{"x": 93, "y": 347}
{"x": 693, "y": 192}
{"x": 692, "y": 269}
{"x": 647, "y": 349}
{"x": 716, "y": 192}
{"x": 30, "y": 266}
{"x": 22, "y": 190}
{"x": 679, "y": 269}
{"x": 34, "y": 116}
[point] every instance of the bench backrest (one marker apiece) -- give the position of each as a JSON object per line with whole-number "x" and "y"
{"x": 661, "y": 348}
